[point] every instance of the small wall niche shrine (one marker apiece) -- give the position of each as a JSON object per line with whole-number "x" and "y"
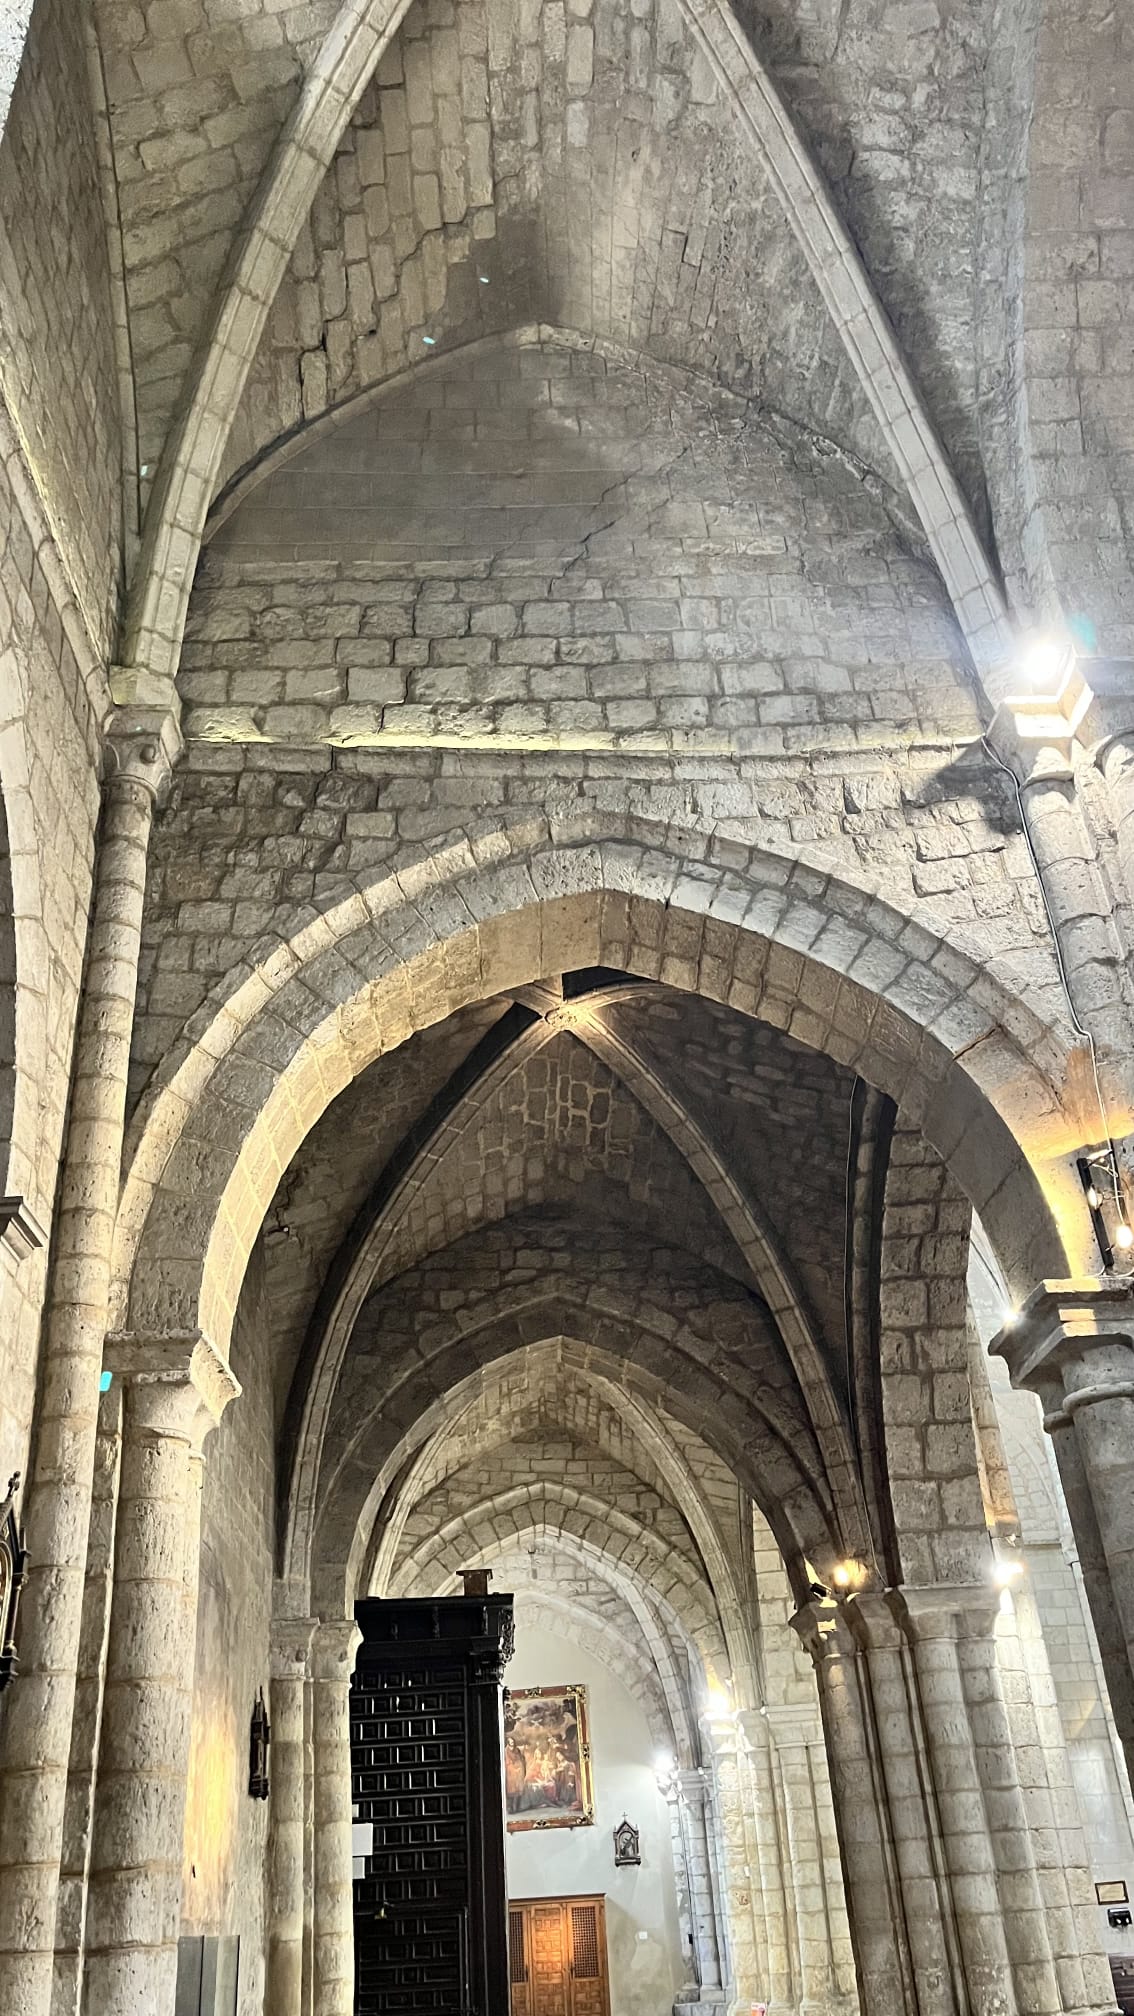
{"x": 430, "y": 1918}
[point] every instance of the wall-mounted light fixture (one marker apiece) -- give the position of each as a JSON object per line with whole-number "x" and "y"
{"x": 1101, "y": 1178}
{"x": 13, "y": 1575}
{"x": 259, "y": 1739}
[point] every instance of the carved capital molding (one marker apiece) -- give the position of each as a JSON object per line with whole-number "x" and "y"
{"x": 1072, "y": 1344}
{"x": 291, "y": 1640}
{"x": 946, "y": 1609}
{"x": 1035, "y": 734}
{"x": 334, "y": 1648}
{"x": 143, "y": 744}
{"x": 179, "y": 1383}
{"x": 793, "y": 1725}
{"x": 1090, "y": 713}
{"x": 815, "y": 1625}
{"x": 20, "y": 1230}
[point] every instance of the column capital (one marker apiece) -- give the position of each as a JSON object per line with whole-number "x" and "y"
{"x": 946, "y": 1609}
{"x": 869, "y": 1620}
{"x": 335, "y": 1648}
{"x": 1035, "y": 734}
{"x": 815, "y": 1624}
{"x": 179, "y": 1383}
{"x": 1072, "y": 1343}
{"x": 1088, "y": 711}
{"x": 291, "y": 1647}
{"x": 143, "y": 743}
{"x": 695, "y": 1785}
{"x": 793, "y": 1724}
{"x": 752, "y": 1724}
{"x": 1108, "y": 724}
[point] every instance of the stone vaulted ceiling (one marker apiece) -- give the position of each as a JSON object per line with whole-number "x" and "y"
{"x": 579, "y": 159}
{"x": 599, "y": 1110}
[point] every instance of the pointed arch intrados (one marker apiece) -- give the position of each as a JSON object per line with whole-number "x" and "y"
{"x": 660, "y": 1622}
{"x": 574, "y": 1520}
{"x": 646, "y": 1429}
{"x": 327, "y": 1538}
{"x": 496, "y": 906}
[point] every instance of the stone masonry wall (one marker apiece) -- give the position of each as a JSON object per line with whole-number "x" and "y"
{"x": 1078, "y": 298}
{"x": 251, "y": 835}
{"x": 579, "y": 165}
{"x": 197, "y": 94}
{"x": 540, "y": 545}
{"x": 58, "y": 371}
{"x": 52, "y": 701}
{"x": 892, "y": 100}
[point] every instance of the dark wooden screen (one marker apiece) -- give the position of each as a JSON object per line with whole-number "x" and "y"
{"x": 429, "y": 1909}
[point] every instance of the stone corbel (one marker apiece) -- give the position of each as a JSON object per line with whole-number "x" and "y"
{"x": 20, "y": 1230}
{"x": 1108, "y": 719}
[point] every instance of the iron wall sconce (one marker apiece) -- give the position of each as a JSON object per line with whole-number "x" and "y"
{"x": 261, "y": 1736}
{"x": 13, "y": 1575}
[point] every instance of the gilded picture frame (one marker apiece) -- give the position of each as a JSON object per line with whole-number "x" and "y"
{"x": 548, "y": 1780}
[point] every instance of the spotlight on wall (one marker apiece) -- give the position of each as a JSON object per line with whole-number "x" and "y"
{"x": 847, "y": 1575}
{"x": 1004, "y": 1573}
{"x": 1124, "y": 1237}
{"x": 1044, "y": 659}
{"x": 718, "y": 1707}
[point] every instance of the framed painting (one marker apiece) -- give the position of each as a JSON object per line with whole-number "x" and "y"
{"x": 547, "y": 1759}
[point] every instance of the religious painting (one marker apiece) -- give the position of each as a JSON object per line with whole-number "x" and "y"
{"x": 547, "y": 1759}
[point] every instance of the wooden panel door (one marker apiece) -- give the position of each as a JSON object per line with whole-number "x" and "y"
{"x": 548, "y": 1964}
{"x": 518, "y": 1961}
{"x": 557, "y": 1948}
{"x": 586, "y": 1920}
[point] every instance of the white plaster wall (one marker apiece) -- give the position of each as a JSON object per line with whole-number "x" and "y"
{"x": 645, "y": 1972}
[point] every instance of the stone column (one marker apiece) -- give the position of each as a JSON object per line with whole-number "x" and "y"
{"x": 35, "y": 1732}
{"x": 1115, "y": 759}
{"x": 822, "y": 1935}
{"x": 941, "y": 1863}
{"x": 287, "y": 1830}
{"x": 891, "y": 1862}
{"x": 681, "y": 1876}
{"x": 335, "y": 1646}
{"x": 175, "y": 1393}
{"x": 776, "y": 1968}
{"x": 1039, "y": 740}
{"x": 695, "y": 1793}
{"x": 989, "y": 1867}
{"x": 1072, "y": 1344}
{"x": 86, "y": 1729}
